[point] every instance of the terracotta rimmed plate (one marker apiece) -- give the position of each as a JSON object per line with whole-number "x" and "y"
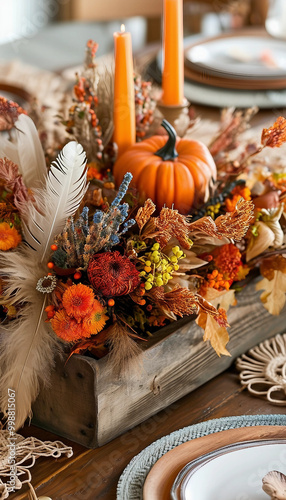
{"x": 161, "y": 477}
{"x": 232, "y": 61}
{"x": 15, "y": 93}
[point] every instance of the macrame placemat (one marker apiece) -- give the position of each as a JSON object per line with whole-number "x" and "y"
{"x": 130, "y": 486}
{"x": 263, "y": 370}
{"x": 27, "y": 450}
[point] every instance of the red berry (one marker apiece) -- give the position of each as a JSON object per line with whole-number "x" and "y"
{"x": 54, "y": 247}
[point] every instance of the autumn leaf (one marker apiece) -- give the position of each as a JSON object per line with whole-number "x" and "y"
{"x": 224, "y": 299}
{"x": 96, "y": 342}
{"x": 214, "y": 332}
{"x": 273, "y": 297}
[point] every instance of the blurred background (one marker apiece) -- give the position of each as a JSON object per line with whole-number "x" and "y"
{"x": 23, "y": 20}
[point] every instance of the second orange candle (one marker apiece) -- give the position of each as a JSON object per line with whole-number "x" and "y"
{"x": 173, "y": 53}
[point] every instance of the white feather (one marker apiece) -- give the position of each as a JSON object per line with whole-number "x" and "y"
{"x": 26, "y": 151}
{"x": 65, "y": 187}
{"x": 27, "y": 346}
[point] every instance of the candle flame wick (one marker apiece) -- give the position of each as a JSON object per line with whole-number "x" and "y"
{"x": 122, "y": 28}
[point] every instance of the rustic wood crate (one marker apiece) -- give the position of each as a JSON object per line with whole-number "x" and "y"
{"x": 87, "y": 404}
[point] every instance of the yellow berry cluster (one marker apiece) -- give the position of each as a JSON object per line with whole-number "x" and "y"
{"x": 158, "y": 267}
{"x": 213, "y": 210}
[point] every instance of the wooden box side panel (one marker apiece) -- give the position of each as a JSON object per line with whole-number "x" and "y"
{"x": 177, "y": 365}
{"x": 68, "y": 406}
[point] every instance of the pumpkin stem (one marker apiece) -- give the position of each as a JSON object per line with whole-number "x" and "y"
{"x": 168, "y": 151}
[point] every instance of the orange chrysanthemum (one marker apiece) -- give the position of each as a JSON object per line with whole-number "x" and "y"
{"x": 95, "y": 321}
{"x": 9, "y": 236}
{"x": 92, "y": 172}
{"x": 66, "y": 327}
{"x": 227, "y": 260}
{"x": 78, "y": 301}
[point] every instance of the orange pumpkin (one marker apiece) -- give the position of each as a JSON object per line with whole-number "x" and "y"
{"x": 171, "y": 171}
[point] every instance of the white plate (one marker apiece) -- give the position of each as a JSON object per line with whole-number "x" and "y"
{"x": 234, "y": 472}
{"x": 221, "y": 98}
{"x": 241, "y": 56}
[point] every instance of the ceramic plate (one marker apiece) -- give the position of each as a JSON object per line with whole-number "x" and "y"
{"x": 241, "y": 56}
{"x": 208, "y": 95}
{"x": 231, "y": 473}
{"x": 162, "y": 475}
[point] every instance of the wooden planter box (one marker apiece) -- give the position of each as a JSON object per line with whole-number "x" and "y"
{"x": 86, "y": 404}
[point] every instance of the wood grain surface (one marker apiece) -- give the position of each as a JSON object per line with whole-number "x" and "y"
{"x": 93, "y": 474}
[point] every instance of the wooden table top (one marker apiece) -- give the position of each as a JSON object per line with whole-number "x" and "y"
{"x": 93, "y": 474}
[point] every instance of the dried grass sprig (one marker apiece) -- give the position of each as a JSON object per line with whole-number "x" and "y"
{"x": 179, "y": 301}
{"x": 274, "y": 136}
{"x": 233, "y": 123}
{"x": 124, "y": 355}
{"x": 183, "y": 302}
{"x": 169, "y": 224}
{"x": 232, "y": 225}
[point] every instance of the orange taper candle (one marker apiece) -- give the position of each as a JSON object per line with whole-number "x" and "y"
{"x": 124, "y": 101}
{"x": 173, "y": 53}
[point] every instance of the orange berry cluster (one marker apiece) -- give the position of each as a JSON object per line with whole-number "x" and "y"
{"x": 215, "y": 280}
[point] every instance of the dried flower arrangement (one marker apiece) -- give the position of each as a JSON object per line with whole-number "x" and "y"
{"x": 86, "y": 268}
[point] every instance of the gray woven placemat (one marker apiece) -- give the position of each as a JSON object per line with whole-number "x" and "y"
{"x": 130, "y": 486}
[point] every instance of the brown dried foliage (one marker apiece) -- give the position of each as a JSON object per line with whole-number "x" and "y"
{"x": 9, "y": 173}
{"x": 232, "y": 225}
{"x": 233, "y": 123}
{"x": 144, "y": 213}
{"x": 124, "y": 351}
{"x": 180, "y": 301}
{"x": 275, "y": 136}
{"x": 9, "y": 113}
{"x": 171, "y": 224}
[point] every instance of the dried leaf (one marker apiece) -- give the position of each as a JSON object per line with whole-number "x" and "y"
{"x": 273, "y": 298}
{"x": 215, "y": 326}
{"x": 216, "y": 334}
{"x": 224, "y": 299}
{"x": 90, "y": 344}
{"x": 144, "y": 213}
{"x": 259, "y": 243}
{"x": 274, "y": 263}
